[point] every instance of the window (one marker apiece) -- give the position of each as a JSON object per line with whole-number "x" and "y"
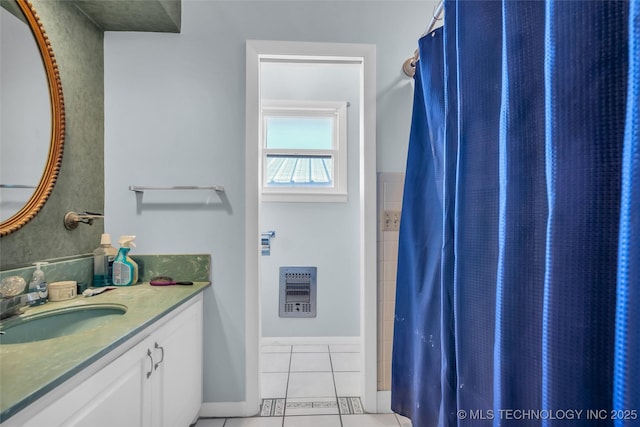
{"x": 304, "y": 148}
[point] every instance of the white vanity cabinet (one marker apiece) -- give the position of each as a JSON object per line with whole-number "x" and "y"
{"x": 177, "y": 397}
{"x": 155, "y": 383}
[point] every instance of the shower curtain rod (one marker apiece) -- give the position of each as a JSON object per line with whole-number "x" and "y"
{"x": 409, "y": 66}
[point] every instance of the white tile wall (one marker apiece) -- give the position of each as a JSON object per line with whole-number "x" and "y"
{"x": 390, "y": 190}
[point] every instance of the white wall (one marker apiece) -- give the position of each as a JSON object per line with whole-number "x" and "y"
{"x": 174, "y": 115}
{"x": 325, "y": 234}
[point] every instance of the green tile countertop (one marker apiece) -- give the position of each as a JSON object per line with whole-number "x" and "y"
{"x": 28, "y": 371}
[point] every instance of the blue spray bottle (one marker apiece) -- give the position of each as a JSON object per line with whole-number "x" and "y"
{"x": 125, "y": 270}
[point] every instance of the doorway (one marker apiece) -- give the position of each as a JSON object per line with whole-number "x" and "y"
{"x": 303, "y": 227}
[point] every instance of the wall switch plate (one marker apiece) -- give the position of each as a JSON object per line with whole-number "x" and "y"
{"x": 391, "y": 221}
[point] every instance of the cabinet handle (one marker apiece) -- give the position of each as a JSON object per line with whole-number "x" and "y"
{"x": 162, "y": 359}
{"x": 151, "y": 358}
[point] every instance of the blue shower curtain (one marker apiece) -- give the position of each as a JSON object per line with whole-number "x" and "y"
{"x": 417, "y": 337}
{"x": 518, "y": 267}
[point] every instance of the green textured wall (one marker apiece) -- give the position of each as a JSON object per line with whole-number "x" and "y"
{"x": 134, "y": 15}
{"x": 78, "y": 47}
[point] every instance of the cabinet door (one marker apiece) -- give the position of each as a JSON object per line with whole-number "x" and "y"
{"x": 178, "y": 382}
{"x": 117, "y": 395}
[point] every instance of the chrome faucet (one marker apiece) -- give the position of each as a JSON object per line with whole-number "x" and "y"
{"x": 11, "y": 305}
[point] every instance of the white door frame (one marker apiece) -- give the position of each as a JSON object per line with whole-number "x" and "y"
{"x": 364, "y": 54}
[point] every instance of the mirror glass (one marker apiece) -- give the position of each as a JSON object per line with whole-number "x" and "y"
{"x": 25, "y": 113}
{"x": 31, "y": 115}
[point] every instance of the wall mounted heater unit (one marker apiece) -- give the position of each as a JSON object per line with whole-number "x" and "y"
{"x": 298, "y": 291}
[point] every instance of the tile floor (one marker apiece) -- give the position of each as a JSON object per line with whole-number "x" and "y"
{"x": 310, "y": 386}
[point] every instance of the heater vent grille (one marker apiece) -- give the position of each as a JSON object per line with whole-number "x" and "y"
{"x": 298, "y": 291}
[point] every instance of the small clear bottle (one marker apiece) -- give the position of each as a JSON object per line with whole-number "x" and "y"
{"x": 39, "y": 284}
{"x": 103, "y": 258}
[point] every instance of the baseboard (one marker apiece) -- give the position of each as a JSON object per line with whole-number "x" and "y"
{"x": 308, "y": 340}
{"x": 224, "y": 410}
{"x": 384, "y": 402}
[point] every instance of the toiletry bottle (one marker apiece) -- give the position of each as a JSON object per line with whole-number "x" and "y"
{"x": 39, "y": 284}
{"x": 103, "y": 258}
{"x": 125, "y": 270}
{"x": 136, "y": 268}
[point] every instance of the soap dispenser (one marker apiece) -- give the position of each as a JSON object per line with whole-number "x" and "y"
{"x": 125, "y": 270}
{"x": 103, "y": 258}
{"x": 39, "y": 284}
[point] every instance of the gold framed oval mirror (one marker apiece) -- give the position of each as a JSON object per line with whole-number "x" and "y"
{"x": 49, "y": 175}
